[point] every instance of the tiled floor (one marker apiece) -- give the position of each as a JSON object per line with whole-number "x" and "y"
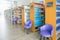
{"x": 8, "y": 31}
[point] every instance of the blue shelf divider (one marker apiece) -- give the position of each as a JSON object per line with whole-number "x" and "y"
{"x": 58, "y": 21}
{"x": 37, "y": 17}
{"x": 57, "y": 15}
{"x": 58, "y": 28}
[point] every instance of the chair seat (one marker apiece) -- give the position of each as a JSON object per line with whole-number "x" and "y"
{"x": 27, "y": 26}
{"x": 14, "y": 19}
{"x": 46, "y": 34}
{"x": 46, "y": 30}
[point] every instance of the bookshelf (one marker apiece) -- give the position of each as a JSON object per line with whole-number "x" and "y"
{"x": 25, "y": 14}
{"x": 37, "y": 15}
{"x": 18, "y": 13}
{"x": 50, "y": 17}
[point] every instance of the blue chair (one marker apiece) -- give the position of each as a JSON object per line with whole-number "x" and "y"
{"x": 14, "y": 20}
{"x": 46, "y": 31}
{"x": 28, "y": 26}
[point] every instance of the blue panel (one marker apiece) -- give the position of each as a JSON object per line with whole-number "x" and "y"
{"x": 58, "y": 8}
{"x": 58, "y": 28}
{"x": 37, "y": 14}
{"x": 57, "y": 21}
{"x": 58, "y": 14}
{"x": 58, "y": 1}
{"x": 37, "y": 9}
{"x": 42, "y": 17}
{"x": 38, "y": 18}
{"x": 38, "y": 24}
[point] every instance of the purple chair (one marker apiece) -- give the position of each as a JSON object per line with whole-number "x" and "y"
{"x": 47, "y": 31}
{"x": 28, "y": 25}
{"x": 14, "y": 20}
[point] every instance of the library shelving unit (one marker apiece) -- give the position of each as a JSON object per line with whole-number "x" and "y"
{"x": 58, "y": 19}
{"x": 50, "y": 15}
{"x": 25, "y": 14}
{"x": 11, "y": 14}
{"x": 18, "y": 13}
{"x": 22, "y": 15}
{"x": 37, "y": 15}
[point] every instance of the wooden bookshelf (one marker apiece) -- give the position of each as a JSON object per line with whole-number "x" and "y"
{"x": 50, "y": 17}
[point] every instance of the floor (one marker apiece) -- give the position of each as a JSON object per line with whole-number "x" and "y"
{"x": 9, "y": 31}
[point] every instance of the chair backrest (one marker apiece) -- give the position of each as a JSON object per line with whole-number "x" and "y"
{"x": 28, "y": 24}
{"x": 48, "y": 29}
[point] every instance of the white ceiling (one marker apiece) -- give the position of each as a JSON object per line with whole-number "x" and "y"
{"x": 4, "y": 5}
{"x": 19, "y": 2}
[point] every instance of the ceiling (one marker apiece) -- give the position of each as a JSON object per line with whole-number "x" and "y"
{"x": 19, "y": 2}
{"x": 25, "y": 1}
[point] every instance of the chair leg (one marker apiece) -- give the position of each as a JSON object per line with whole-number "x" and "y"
{"x": 16, "y": 22}
{"x": 40, "y": 37}
{"x": 51, "y": 38}
{"x": 48, "y": 39}
{"x": 45, "y": 38}
{"x": 26, "y": 30}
